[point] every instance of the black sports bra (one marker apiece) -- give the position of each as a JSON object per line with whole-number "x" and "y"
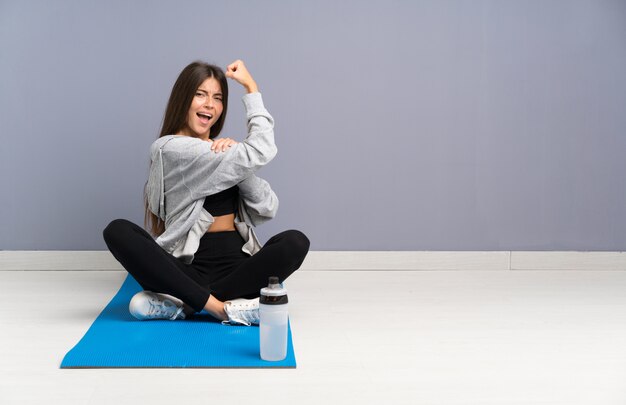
{"x": 222, "y": 203}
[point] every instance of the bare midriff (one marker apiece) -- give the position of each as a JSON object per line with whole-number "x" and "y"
{"x": 223, "y": 223}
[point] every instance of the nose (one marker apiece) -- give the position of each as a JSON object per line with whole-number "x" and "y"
{"x": 209, "y": 102}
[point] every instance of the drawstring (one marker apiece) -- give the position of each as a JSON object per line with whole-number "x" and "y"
{"x": 162, "y": 196}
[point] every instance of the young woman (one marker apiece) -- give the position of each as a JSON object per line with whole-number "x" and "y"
{"x": 203, "y": 201}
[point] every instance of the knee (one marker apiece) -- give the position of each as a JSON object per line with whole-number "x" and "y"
{"x": 298, "y": 243}
{"x": 114, "y": 229}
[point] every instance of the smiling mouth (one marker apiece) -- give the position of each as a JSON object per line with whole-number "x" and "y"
{"x": 204, "y": 118}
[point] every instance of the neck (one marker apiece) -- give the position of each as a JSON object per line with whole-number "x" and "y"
{"x": 185, "y": 131}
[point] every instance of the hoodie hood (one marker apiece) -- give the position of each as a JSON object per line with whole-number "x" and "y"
{"x": 155, "y": 189}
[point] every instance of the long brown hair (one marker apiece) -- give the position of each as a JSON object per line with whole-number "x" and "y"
{"x": 175, "y": 118}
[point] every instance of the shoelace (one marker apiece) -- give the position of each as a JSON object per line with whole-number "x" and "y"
{"x": 159, "y": 308}
{"x": 244, "y": 313}
{"x": 175, "y": 316}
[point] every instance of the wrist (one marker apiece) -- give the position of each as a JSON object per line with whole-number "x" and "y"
{"x": 252, "y": 87}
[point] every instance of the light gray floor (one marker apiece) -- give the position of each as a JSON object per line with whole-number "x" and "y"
{"x": 371, "y": 337}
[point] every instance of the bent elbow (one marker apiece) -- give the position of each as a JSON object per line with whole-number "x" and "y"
{"x": 267, "y": 156}
{"x": 274, "y": 209}
{"x": 271, "y": 154}
{"x": 270, "y": 209}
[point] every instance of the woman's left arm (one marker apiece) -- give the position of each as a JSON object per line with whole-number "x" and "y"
{"x": 259, "y": 199}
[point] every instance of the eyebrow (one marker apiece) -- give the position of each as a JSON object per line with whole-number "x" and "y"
{"x": 206, "y": 92}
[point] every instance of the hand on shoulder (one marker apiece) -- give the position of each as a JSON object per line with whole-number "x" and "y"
{"x": 222, "y": 143}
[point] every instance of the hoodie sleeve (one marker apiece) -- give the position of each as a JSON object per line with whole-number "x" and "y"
{"x": 259, "y": 199}
{"x": 205, "y": 172}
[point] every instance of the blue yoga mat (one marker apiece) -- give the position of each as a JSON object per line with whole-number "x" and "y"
{"x": 116, "y": 339}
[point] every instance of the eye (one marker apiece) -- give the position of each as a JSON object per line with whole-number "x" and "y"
{"x": 198, "y": 94}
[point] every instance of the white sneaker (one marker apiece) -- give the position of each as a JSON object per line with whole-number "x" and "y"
{"x": 242, "y": 312}
{"x": 151, "y": 305}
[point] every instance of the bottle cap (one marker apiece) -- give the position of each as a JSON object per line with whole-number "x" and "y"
{"x": 274, "y": 293}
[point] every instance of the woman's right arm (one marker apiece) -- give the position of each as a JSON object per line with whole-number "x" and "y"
{"x": 205, "y": 172}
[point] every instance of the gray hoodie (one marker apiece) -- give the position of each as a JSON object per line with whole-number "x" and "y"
{"x": 184, "y": 170}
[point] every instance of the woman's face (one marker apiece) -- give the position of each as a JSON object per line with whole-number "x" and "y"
{"x": 206, "y": 108}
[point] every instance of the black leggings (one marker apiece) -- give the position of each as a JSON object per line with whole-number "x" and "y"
{"x": 220, "y": 268}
